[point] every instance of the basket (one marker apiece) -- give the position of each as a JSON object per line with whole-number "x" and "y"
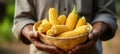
{"x": 64, "y": 43}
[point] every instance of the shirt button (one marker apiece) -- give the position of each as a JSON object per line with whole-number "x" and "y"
{"x": 64, "y": 9}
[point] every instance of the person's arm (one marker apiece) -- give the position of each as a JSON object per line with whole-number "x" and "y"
{"x": 106, "y": 13}
{"x": 24, "y": 15}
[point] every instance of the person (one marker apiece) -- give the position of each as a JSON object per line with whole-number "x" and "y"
{"x": 101, "y": 14}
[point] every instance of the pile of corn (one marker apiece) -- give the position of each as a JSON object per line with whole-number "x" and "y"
{"x": 62, "y": 26}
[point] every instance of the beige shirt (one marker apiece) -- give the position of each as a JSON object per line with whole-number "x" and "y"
{"x": 30, "y": 11}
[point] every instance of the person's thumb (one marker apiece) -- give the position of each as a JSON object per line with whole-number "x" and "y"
{"x": 94, "y": 35}
{"x": 36, "y": 34}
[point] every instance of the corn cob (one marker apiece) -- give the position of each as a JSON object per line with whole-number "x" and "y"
{"x": 49, "y": 33}
{"x": 44, "y": 21}
{"x": 71, "y": 20}
{"x": 53, "y": 16}
{"x": 81, "y": 22}
{"x": 36, "y": 25}
{"x": 57, "y": 29}
{"x": 78, "y": 31}
{"x": 44, "y": 26}
{"x": 62, "y": 19}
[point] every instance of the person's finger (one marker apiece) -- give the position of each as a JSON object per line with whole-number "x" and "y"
{"x": 90, "y": 36}
{"x": 39, "y": 45}
{"x": 36, "y": 34}
{"x": 48, "y": 48}
{"x": 81, "y": 48}
{"x": 84, "y": 46}
{"x": 70, "y": 52}
{"x": 31, "y": 34}
{"x": 94, "y": 35}
{"x": 56, "y": 50}
{"x": 53, "y": 50}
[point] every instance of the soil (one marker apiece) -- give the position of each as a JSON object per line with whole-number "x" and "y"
{"x": 14, "y": 48}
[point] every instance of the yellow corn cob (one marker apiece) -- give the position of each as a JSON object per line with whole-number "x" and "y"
{"x": 78, "y": 31}
{"x": 44, "y": 21}
{"x": 57, "y": 29}
{"x": 53, "y": 16}
{"x": 36, "y": 25}
{"x": 81, "y": 22}
{"x": 62, "y": 19}
{"x": 49, "y": 33}
{"x": 44, "y": 26}
{"x": 71, "y": 20}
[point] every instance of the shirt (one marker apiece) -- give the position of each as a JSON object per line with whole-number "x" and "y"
{"x": 31, "y": 11}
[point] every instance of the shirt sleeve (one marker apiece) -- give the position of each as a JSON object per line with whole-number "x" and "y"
{"x": 24, "y": 14}
{"x": 106, "y": 12}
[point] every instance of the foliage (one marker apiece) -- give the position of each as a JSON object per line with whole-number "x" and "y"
{"x": 6, "y": 25}
{"x": 118, "y": 6}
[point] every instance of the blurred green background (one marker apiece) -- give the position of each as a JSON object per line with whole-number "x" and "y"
{"x": 6, "y": 22}
{"x": 6, "y": 35}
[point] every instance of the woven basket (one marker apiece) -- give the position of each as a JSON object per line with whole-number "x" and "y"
{"x": 65, "y": 43}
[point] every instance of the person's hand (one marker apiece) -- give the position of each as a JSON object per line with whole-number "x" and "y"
{"x": 33, "y": 37}
{"x": 98, "y": 29}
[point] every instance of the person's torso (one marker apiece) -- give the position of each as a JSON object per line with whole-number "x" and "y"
{"x": 84, "y": 7}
